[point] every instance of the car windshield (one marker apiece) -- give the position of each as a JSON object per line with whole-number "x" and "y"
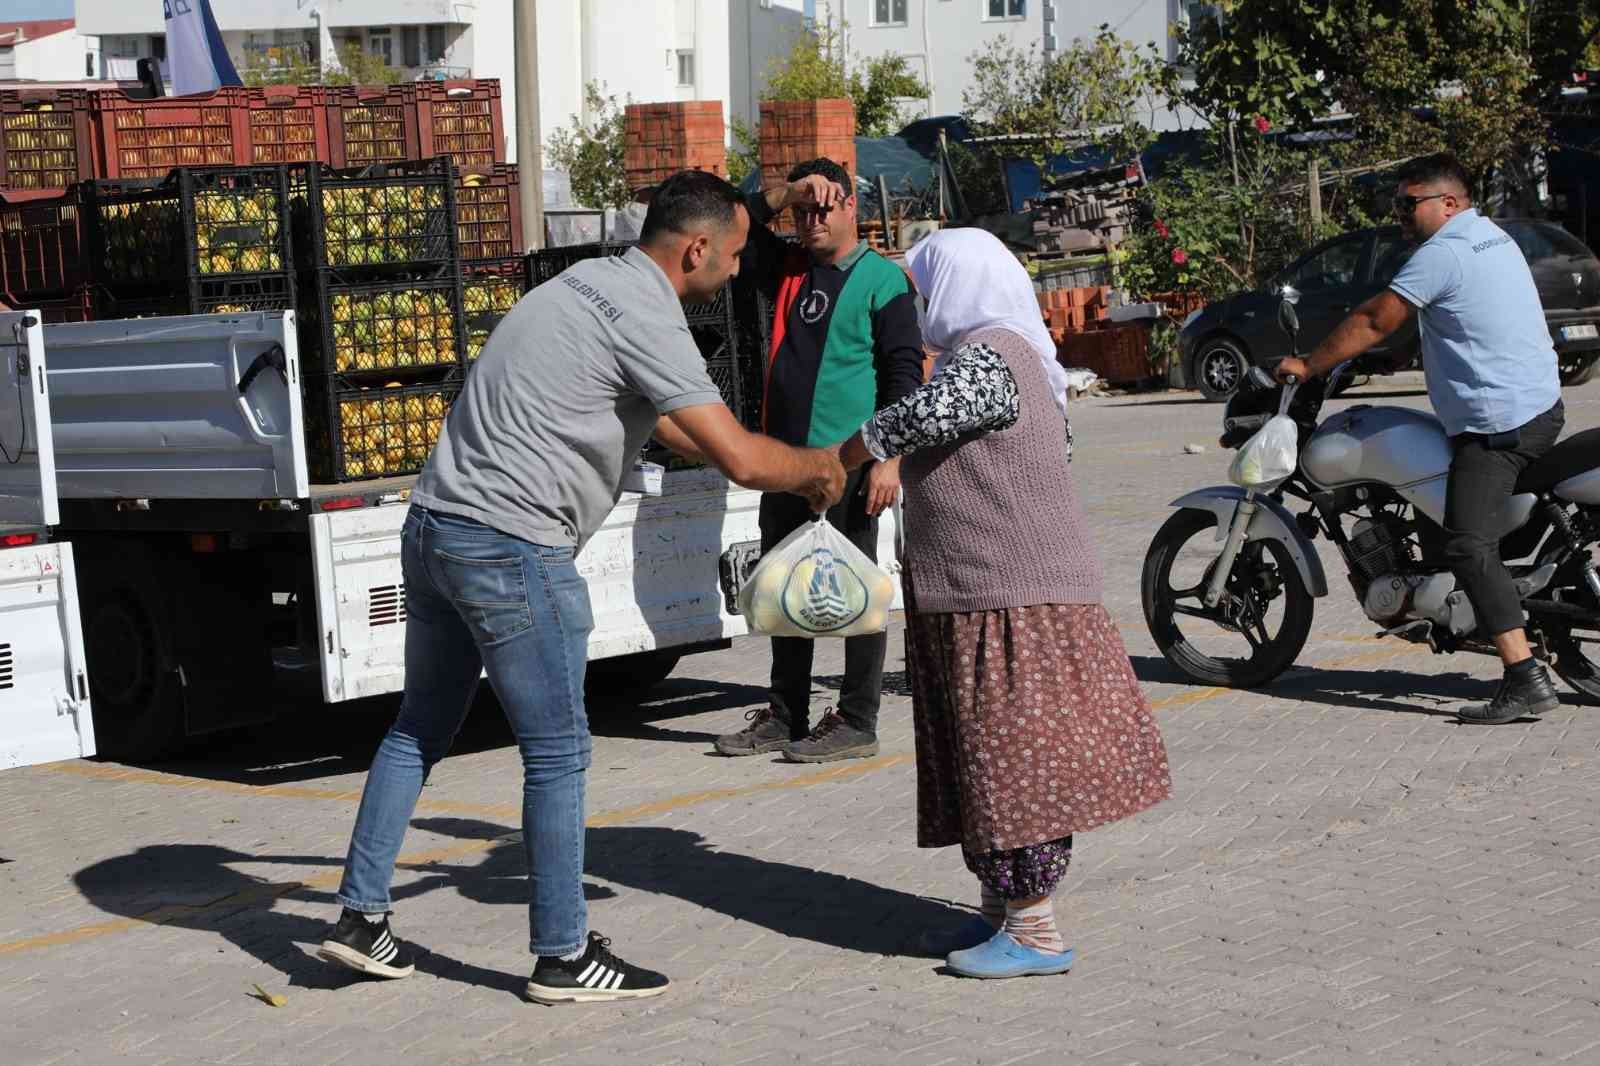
{"x": 1542, "y": 240}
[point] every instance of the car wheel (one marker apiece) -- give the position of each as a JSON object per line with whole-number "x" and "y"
{"x": 1219, "y": 366}
{"x": 1579, "y": 369}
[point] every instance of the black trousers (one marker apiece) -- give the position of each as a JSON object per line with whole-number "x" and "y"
{"x": 790, "y": 695}
{"x": 1483, "y": 475}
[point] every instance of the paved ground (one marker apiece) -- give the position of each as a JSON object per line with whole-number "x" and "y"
{"x": 1344, "y": 874}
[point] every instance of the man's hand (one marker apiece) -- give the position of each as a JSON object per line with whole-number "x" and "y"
{"x": 826, "y": 486}
{"x": 814, "y": 190}
{"x": 881, "y": 486}
{"x": 1290, "y": 366}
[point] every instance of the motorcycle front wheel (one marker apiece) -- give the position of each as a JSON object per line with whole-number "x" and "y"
{"x": 1251, "y": 636}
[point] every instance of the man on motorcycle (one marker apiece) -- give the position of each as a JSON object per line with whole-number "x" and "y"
{"x": 1493, "y": 381}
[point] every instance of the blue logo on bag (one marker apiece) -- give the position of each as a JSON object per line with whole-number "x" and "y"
{"x": 824, "y": 604}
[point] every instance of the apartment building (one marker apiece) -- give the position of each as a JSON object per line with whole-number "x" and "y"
{"x": 46, "y": 50}
{"x": 941, "y": 36}
{"x": 644, "y": 50}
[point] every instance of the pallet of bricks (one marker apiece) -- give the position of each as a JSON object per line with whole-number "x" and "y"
{"x": 713, "y": 325}
{"x": 381, "y": 325}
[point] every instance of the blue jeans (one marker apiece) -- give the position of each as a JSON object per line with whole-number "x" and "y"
{"x": 478, "y": 600}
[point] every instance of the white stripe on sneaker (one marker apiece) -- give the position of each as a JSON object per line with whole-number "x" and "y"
{"x": 600, "y": 977}
{"x": 616, "y": 982}
{"x": 583, "y": 978}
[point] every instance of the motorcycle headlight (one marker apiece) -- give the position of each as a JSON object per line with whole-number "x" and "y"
{"x": 1190, "y": 317}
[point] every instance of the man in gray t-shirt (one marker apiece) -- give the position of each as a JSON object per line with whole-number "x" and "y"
{"x": 569, "y": 387}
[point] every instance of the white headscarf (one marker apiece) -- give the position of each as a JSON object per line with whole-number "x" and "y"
{"x": 970, "y": 281}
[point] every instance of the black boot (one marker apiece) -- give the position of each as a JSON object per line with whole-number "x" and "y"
{"x": 1525, "y": 691}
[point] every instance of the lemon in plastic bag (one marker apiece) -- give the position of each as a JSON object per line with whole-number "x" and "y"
{"x": 1268, "y": 457}
{"x": 815, "y": 583}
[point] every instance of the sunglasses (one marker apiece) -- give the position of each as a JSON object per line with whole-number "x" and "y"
{"x": 1405, "y": 205}
{"x": 809, "y": 212}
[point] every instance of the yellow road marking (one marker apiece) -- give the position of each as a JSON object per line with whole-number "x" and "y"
{"x": 268, "y": 892}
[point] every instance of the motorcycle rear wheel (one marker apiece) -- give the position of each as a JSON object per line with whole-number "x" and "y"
{"x": 1261, "y": 565}
{"x": 1573, "y": 665}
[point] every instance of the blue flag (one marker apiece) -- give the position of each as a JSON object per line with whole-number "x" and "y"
{"x": 196, "y": 58}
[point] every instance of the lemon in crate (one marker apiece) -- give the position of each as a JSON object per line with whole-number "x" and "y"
{"x": 237, "y": 232}
{"x": 392, "y": 328}
{"x": 485, "y": 299}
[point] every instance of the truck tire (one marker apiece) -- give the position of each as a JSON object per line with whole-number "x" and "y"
{"x": 133, "y": 677}
{"x": 632, "y": 674}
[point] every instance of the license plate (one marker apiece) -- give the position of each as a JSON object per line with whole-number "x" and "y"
{"x": 1586, "y": 332}
{"x": 734, "y": 569}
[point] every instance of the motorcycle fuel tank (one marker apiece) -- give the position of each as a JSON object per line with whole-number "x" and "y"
{"x": 1404, "y": 449}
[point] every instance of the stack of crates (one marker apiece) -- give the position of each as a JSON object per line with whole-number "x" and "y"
{"x": 42, "y": 260}
{"x": 382, "y": 330}
{"x": 203, "y": 240}
{"x": 489, "y": 229}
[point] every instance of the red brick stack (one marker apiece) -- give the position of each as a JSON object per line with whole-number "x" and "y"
{"x": 1068, "y": 311}
{"x": 793, "y": 131}
{"x": 663, "y": 139}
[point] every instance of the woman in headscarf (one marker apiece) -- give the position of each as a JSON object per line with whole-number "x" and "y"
{"x": 1030, "y": 724}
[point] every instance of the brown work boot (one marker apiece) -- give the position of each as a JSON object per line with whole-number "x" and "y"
{"x": 767, "y": 731}
{"x": 831, "y": 740}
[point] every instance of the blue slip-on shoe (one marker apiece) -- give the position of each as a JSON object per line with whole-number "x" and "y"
{"x": 939, "y": 942}
{"x": 1001, "y": 956}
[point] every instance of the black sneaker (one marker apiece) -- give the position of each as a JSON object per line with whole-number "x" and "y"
{"x": 597, "y": 977}
{"x": 1532, "y": 695}
{"x": 767, "y": 731}
{"x": 368, "y": 947}
{"x": 833, "y": 739}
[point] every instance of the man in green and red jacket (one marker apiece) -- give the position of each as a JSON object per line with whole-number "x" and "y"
{"x": 845, "y": 342}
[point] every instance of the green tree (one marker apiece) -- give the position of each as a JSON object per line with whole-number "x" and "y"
{"x": 593, "y": 151}
{"x": 1104, "y": 90}
{"x": 358, "y": 67}
{"x": 817, "y": 67}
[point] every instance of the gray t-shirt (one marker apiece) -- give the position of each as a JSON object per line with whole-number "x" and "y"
{"x": 566, "y": 391}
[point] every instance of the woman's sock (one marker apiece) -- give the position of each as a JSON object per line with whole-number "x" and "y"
{"x": 1035, "y": 926}
{"x": 993, "y": 907}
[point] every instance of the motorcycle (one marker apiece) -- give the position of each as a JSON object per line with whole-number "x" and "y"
{"x": 1372, "y": 479}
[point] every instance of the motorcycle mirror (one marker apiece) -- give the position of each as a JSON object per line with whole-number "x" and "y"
{"x": 1289, "y": 293}
{"x": 1287, "y": 318}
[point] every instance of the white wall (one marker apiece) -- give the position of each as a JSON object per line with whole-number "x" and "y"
{"x": 58, "y": 57}
{"x": 145, "y": 16}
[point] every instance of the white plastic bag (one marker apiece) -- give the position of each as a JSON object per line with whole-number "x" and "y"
{"x": 1268, "y": 457}
{"x": 815, "y": 583}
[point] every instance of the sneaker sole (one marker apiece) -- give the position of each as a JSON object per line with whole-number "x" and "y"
{"x": 349, "y": 957}
{"x": 1032, "y": 971}
{"x": 866, "y": 751}
{"x": 759, "y": 749}
{"x": 552, "y": 996}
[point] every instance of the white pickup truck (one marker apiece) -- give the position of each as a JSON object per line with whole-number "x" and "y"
{"x": 220, "y": 586}
{"x": 44, "y": 689}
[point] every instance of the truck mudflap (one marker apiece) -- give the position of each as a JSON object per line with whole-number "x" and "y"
{"x": 44, "y": 687}
{"x": 654, "y": 569}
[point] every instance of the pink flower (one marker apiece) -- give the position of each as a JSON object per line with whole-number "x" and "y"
{"x": 1161, "y": 228}
{"x": 1180, "y": 256}
{"x": 1262, "y": 125}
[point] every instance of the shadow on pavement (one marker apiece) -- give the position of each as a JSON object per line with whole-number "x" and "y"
{"x": 791, "y": 900}
{"x": 306, "y": 747}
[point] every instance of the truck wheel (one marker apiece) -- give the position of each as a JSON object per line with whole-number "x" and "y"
{"x": 632, "y": 674}
{"x": 1579, "y": 370}
{"x": 138, "y": 700}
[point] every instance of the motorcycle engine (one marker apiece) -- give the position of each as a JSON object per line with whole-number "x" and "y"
{"x": 1379, "y": 556}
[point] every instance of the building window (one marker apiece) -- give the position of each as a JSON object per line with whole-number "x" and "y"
{"x": 88, "y": 64}
{"x": 686, "y": 69}
{"x": 888, "y": 12}
{"x": 1004, "y": 9}
{"x": 381, "y": 44}
{"x": 158, "y": 47}
{"x": 436, "y": 44}
{"x": 1194, "y": 13}
{"x": 411, "y": 45}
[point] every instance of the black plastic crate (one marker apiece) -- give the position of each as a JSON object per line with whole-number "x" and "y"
{"x": 383, "y": 217}
{"x": 231, "y": 294}
{"x": 357, "y": 433}
{"x": 717, "y": 311}
{"x": 489, "y": 288}
{"x": 548, "y": 263}
{"x": 383, "y": 329}
{"x": 193, "y": 225}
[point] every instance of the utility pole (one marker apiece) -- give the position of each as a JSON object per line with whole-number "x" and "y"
{"x": 530, "y": 154}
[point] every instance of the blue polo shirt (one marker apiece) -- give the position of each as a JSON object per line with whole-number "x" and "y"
{"x": 1486, "y": 347}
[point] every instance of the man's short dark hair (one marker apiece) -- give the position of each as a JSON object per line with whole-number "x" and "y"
{"x": 688, "y": 199}
{"x": 1439, "y": 168}
{"x": 828, "y": 169}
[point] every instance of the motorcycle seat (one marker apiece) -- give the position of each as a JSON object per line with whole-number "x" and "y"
{"x": 1578, "y": 454}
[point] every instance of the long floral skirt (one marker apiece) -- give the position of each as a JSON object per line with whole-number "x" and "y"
{"x": 1030, "y": 727}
